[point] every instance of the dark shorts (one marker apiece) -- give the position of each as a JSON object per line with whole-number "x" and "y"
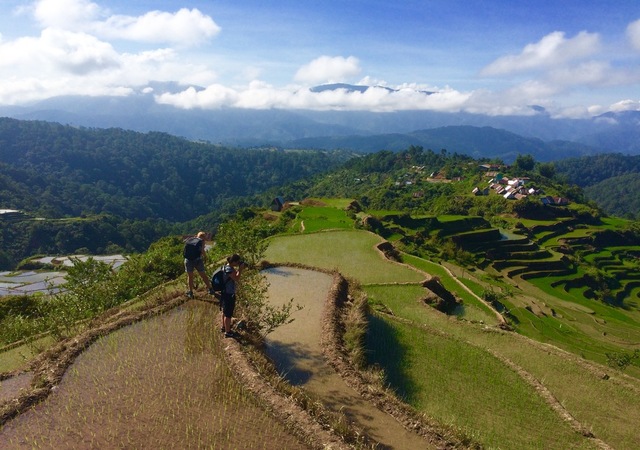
{"x": 197, "y": 264}
{"x": 228, "y": 304}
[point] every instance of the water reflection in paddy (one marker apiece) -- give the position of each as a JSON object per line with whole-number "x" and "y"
{"x": 296, "y": 350}
{"x": 295, "y": 347}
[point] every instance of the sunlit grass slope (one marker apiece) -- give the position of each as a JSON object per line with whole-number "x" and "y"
{"x": 465, "y": 386}
{"x": 353, "y": 253}
{"x": 315, "y": 218}
{"x": 425, "y": 354}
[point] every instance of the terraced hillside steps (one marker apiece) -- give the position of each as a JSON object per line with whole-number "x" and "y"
{"x": 297, "y": 351}
{"x": 158, "y": 383}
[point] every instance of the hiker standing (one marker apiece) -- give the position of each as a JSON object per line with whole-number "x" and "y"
{"x": 194, "y": 256}
{"x": 232, "y": 271}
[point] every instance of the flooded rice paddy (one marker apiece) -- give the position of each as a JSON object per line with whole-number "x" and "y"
{"x": 160, "y": 383}
{"x": 297, "y": 352}
{"x": 31, "y": 282}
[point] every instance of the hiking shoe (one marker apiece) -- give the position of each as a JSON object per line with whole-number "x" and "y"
{"x": 230, "y": 334}
{"x": 190, "y": 294}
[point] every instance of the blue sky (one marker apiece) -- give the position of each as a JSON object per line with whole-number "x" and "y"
{"x": 575, "y": 58}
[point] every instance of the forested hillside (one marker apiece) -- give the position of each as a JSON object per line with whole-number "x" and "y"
{"x": 589, "y": 170}
{"x": 419, "y": 181}
{"x": 611, "y": 180}
{"x": 619, "y": 196}
{"x": 55, "y": 171}
{"x": 118, "y": 191}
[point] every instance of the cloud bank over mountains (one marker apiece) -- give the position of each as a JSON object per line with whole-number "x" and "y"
{"x": 79, "y": 47}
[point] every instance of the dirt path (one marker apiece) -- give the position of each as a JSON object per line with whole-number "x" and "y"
{"x": 297, "y": 352}
{"x": 498, "y": 316}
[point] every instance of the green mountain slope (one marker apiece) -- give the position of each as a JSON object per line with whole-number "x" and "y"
{"x": 57, "y": 170}
{"x": 610, "y": 180}
{"x": 618, "y": 196}
{"x": 479, "y": 142}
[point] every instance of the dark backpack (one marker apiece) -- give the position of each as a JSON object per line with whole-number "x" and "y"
{"x": 192, "y": 248}
{"x": 218, "y": 280}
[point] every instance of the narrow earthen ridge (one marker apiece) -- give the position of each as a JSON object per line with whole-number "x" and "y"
{"x": 49, "y": 367}
{"x": 383, "y": 400}
{"x": 550, "y": 399}
{"x": 542, "y": 390}
{"x": 285, "y": 410}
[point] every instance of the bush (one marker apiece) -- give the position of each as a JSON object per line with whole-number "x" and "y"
{"x": 240, "y": 237}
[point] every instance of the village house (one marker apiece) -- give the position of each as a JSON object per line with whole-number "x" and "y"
{"x": 477, "y": 191}
{"x": 277, "y": 204}
{"x": 554, "y": 201}
{"x": 9, "y": 215}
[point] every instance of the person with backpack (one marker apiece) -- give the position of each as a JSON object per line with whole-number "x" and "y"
{"x": 232, "y": 271}
{"x": 194, "y": 256}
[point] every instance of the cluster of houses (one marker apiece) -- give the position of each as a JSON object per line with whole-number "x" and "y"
{"x": 516, "y": 189}
{"x": 510, "y": 188}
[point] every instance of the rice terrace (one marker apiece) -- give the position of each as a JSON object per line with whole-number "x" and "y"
{"x": 390, "y": 347}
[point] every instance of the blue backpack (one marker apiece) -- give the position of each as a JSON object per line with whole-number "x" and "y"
{"x": 218, "y": 280}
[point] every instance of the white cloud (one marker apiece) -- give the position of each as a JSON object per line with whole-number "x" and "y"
{"x": 72, "y": 57}
{"x": 79, "y": 51}
{"x": 586, "y": 73}
{"x": 57, "y": 51}
{"x": 633, "y": 34}
{"x": 328, "y": 69}
{"x": 185, "y": 27}
{"x": 64, "y": 63}
{"x": 214, "y": 96}
{"x": 65, "y": 14}
{"x": 625, "y": 105}
{"x": 260, "y": 95}
{"x": 576, "y": 112}
{"x": 551, "y": 50}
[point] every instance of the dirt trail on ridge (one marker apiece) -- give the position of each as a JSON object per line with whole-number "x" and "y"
{"x": 297, "y": 352}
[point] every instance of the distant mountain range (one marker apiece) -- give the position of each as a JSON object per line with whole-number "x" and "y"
{"x": 479, "y": 135}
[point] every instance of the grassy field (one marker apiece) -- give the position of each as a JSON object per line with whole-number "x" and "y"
{"x": 473, "y": 309}
{"x": 467, "y": 374}
{"x": 455, "y": 383}
{"x": 316, "y": 218}
{"x": 579, "y": 390}
{"x": 18, "y": 357}
{"x": 353, "y": 253}
{"x": 451, "y": 370}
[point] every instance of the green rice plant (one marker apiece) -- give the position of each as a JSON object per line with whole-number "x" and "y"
{"x": 18, "y": 356}
{"x": 475, "y": 287}
{"x": 158, "y": 383}
{"x": 474, "y": 309}
{"x": 316, "y": 218}
{"x": 353, "y": 253}
{"x": 454, "y": 382}
{"x": 338, "y": 203}
{"x": 595, "y": 400}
